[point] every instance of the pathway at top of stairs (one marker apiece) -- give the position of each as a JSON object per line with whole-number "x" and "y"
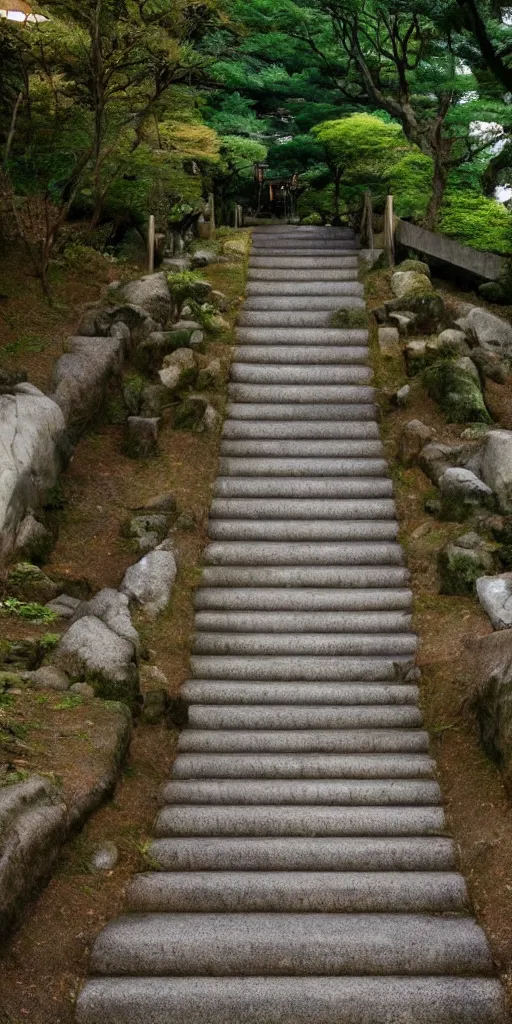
{"x": 302, "y": 871}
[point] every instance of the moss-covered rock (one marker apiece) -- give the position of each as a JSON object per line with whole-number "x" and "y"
{"x": 28, "y": 582}
{"x": 463, "y": 562}
{"x": 428, "y": 309}
{"x": 190, "y": 413}
{"x": 410, "y": 282}
{"x": 456, "y": 391}
{"x": 416, "y": 265}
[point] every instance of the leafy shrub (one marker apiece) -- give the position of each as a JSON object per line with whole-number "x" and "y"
{"x": 410, "y": 181}
{"x": 181, "y": 286}
{"x": 317, "y": 202}
{"x": 30, "y": 610}
{"x": 477, "y": 221}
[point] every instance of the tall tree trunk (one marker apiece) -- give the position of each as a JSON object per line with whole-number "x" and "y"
{"x": 439, "y": 180}
{"x": 337, "y": 192}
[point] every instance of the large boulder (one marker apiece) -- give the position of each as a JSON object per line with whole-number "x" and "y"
{"x": 151, "y": 293}
{"x": 491, "y": 670}
{"x": 462, "y": 491}
{"x": 112, "y": 607}
{"x": 33, "y": 449}
{"x": 495, "y": 596}
{"x": 149, "y": 582}
{"x": 91, "y": 652}
{"x": 81, "y": 377}
{"x": 409, "y": 282}
{"x": 487, "y": 330}
{"x": 457, "y": 392}
{"x": 416, "y": 265}
{"x": 497, "y": 466}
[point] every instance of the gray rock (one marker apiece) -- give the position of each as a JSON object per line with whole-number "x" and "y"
{"x": 141, "y": 440}
{"x": 495, "y": 596}
{"x": 491, "y": 670}
{"x": 151, "y": 293}
{"x": 29, "y": 583}
{"x": 154, "y": 399}
{"x": 497, "y": 466}
{"x": 185, "y": 325}
{"x": 149, "y": 582}
{"x": 104, "y": 857}
{"x": 220, "y": 300}
{"x": 33, "y": 820}
{"x": 138, "y": 321}
{"x": 389, "y": 341}
{"x": 453, "y": 342}
{"x": 81, "y": 377}
{"x": 490, "y": 365}
{"x": 122, "y": 331}
{"x": 177, "y": 264}
{"x": 48, "y": 677}
{"x": 409, "y": 282}
{"x": 164, "y": 503}
{"x": 415, "y": 265}
{"x": 186, "y": 312}
{"x": 463, "y": 562}
{"x": 33, "y": 541}
{"x": 488, "y": 331}
{"x": 190, "y": 413}
{"x": 82, "y": 690}
{"x": 404, "y": 321}
{"x": 467, "y": 365}
{"x": 64, "y": 605}
{"x": 33, "y": 449}
{"x": 460, "y": 481}
{"x": 435, "y": 459}
{"x": 415, "y": 435}
{"x": 148, "y": 530}
{"x": 403, "y": 395}
{"x": 112, "y": 607}
{"x": 185, "y": 521}
{"x": 91, "y": 651}
{"x": 203, "y": 257}
{"x": 179, "y": 370}
{"x": 416, "y": 356}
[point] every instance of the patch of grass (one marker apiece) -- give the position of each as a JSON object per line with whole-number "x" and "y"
{"x": 69, "y": 702}
{"x": 25, "y": 343}
{"x": 350, "y": 318}
{"x": 32, "y": 611}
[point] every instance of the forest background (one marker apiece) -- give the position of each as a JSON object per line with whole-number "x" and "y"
{"x": 113, "y": 110}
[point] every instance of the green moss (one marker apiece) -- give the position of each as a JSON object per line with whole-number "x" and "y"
{"x": 416, "y": 265}
{"x": 457, "y": 392}
{"x": 459, "y": 573}
{"x": 350, "y": 318}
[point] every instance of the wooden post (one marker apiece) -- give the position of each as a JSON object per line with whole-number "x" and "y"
{"x": 151, "y": 244}
{"x": 389, "y": 232}
{"x": 211, "y": 206}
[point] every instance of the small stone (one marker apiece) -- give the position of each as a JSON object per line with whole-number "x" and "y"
{"x": 151, "y": 675}
{"x": 211, "y": 418}
{"x": 190, "y": 413}
{"x": 497, "y": 466}
{"x": 403, "y": 395}
{"x": 470, "y": 540}
{"x": 82, "y": 689}
{"x": 495, "y": 596}
{"x": 147, "y": 530}
{"x": 435, "y": 459}
{"x": 415, "y": 435}
{"x": 141, "y": 441}
{"x": 463, "y": 562}
{"x": 465, "y": 487}
{"x": 104, "y": 857}
{"x": 185, "y": 521}
{"x": 421, "y": 530}
{"x": 220, "y": 300}
{"x": 164, "y": 503}
{"x": 186, "y": 311}
{"x": 389, "y": 342}
{"x": 177, "y": 264}
{"x": 203, "y": 257}
{"x": 416, "y": 356}
{"x": 154, "y": 399}
{"x": 219, "y": 323}
{"x": 149, "y": 583}
{"x": 179, "y": 370}
{"x": 48, "y": 677}
{"x": 404, "y": 321}
{"x": 154, "y": 707}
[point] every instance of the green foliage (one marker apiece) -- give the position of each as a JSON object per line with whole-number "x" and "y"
{"x": 477, "y": 221}
{"x": 30, "y": 610}
{"x": 347, "y": 318}
{"x": 316, "y": 203}
{"x": 410, "y": 181}
{"x": 181, "y": 286}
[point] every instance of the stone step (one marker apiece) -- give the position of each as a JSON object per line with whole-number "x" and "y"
{"x": 303, "y": 467}
{"x": 299, "y": 530}
{"x": 305, "y": 576}
{"x": 354, "y": 853}
{"x": 322, "y": 448}
{"x": 313, "y": 429}
{"x": 349, "y": 271}
{"x": 301, "y": 393}
{"x": 301, "y": 413}
{"x": 323, "y": 644}
{"x": 294, "y": 303}
{"x": 354, "y": 1000}
{"x": 218, "y": 691}
{"x": 306, "y": 509}
{"x": 290, "y": 944}
{"x": 292, "y": 287}
{"x": 306, "y": 599}
{"x": 279, "y": 621}
{"x": 287, "y": 892}
{"x": 303, "y": 487}
{"x": 310, "y": 669}
{"x": 303, "y": 766}
{"x": 304, "y": 318}
{"x": 302, "y": 336}
{"x": 301, "y": 231}
{"x": 380, "y": 792}
{"x": 301, "y": 355}
{"x": 305, "y": 717}
{"x": 317, "y": 741}
{"x": 300, "y": 251}
{"x": 268, "y": 820}
{"x": 311, "y": 263}
{"x": 294, "y": 554}
{"x": 271, "y": 245}
{"x": 243, "y": 373}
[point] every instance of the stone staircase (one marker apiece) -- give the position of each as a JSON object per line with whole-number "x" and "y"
{"x": 302, "y": 874}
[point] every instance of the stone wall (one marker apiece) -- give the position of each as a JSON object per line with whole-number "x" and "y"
{"x": 485, "y": 265}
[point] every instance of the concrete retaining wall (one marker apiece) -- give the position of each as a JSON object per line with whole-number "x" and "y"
{"x": 486, "y": 265}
